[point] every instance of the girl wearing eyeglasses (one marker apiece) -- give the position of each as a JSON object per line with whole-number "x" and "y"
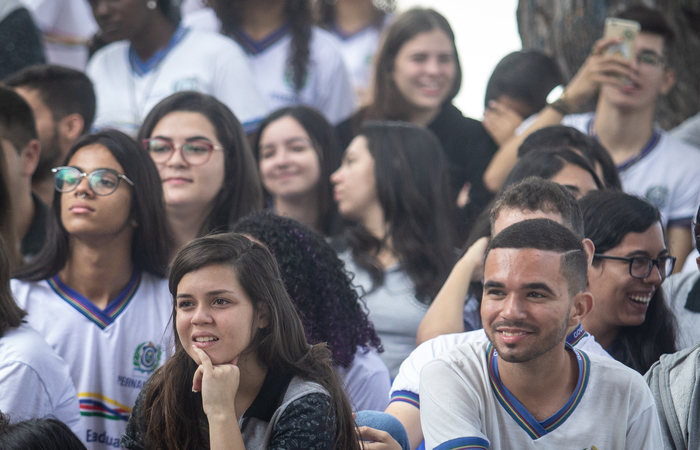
{"x": 206, "y": 167}
{"x": 630, "y": 317}
{"x": 96, "y": 291}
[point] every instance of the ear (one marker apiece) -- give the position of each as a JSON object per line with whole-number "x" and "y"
{"x": 589, "y": 248}
{"x": 582, "y": 304}
{"x": 263, "y": 316}
{"x": 669, "y": 80}
{"x": 70, "y": 128}
{"x": 30, "y": 157}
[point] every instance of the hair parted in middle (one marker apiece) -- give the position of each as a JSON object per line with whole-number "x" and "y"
{"x": 331, "y": 311}
{"x": 172, "y": 411}
{"x": 241, "y": 192}
{"x": 414, "y": 193}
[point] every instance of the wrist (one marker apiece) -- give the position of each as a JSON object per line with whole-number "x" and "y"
{"x": 563, "y": 104}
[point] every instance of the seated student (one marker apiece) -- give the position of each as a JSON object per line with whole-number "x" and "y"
{"x": 532, "y": 198}
{"x": 674, "y": 381}
{"x": 393, "y": 186}
{"x": 330, "y": 310}
{"x": 95, "y": 292}
{"x": 40, "y": 433}
{"x": 152, "y": 56}
{"x": 558, "y": 136}
{"x": 631, "y": 319}
{"x": 682, "y": 291}
{"x": 517, "y": 89}
{"x": 294, "y": 62}
{"x": 21, "y": 150}
{"x": 243, "y": 374}
{"x": 526, "y": 387}
{"x": 63, "y": 102}
{"x": 651, "y": 163}
{"x": 297, "y": 151}
{"x": 34, "y": 381}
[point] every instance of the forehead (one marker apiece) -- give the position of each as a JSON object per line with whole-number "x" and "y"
{"x": 433, "y": 40}
{"x": 509, "y": 216}
{"x": 649, "y": 242}
{"x": 283, "y": 128}
{"x": 650, "y": 41}
{"x": 95, "y": 156}
{"x": 215, "y": 277}
{"x": 184, "y": 124}
{"x": 514, "y": 267}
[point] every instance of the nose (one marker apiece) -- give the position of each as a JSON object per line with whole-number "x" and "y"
{"x": 176, "y": 159}
{"x": 201, "y": 315}
{"x": 281, "y": 157}
{"x": 100, "y": 9}
{"x": 336, "y": 176}
{"x": 432, "y": 66}
{"x": 654, "y": 276}
{"x": 513, "y": 308}
{"x": 83, "y": 189}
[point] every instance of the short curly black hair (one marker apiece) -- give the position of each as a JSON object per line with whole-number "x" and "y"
{"x": 318, "y": 284}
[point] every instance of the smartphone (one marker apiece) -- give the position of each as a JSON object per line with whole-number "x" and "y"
{"x": 627, "y": 30}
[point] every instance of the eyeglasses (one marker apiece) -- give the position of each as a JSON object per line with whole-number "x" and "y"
{"x": 641, "y": 266}
{"x": 195, "y": 152}
{"x": 101, "y": 181}
{"x": 650, "y": 58}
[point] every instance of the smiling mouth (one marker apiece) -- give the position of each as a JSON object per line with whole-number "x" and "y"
{"x": 206, "y": 339}
{"x": 641, "y": 299}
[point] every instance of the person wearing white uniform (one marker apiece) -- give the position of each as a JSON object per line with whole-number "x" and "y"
{"x": 67, "y": 26}
{"x": 155, "y": 57}
{"x": 96, "y": 292}
{"x": 651, "y": 163}
{"x": 34, "y": 381}
{"x": 293, "y": 61}
{"x": 527, "y": 388}
{"x": 358, "y": 25}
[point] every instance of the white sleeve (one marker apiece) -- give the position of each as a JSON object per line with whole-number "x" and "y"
{"x": 449, "y": 409}
{"x": 686, "y": 192}
{"x": 367, "y": 382}
{"x": 644, "y": 430}
{"x": 234, "y": 85}
{"x": 44, "y": 12}
{"x": 23, "y": 393}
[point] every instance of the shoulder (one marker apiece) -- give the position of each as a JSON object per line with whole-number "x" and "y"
{"x": 678, "y": 148}
{"x": 615, "y": 374}
{"x": 211, "y": 42}
{"x": 578, "y": 121}
{"x": 25, "y": 292}
{"x": 324, "y": 39}
{"x": 109, "y": 54}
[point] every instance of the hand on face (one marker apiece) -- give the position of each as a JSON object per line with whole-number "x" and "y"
{"x": 218, "y": 385}
{"x": 501, "y": 121}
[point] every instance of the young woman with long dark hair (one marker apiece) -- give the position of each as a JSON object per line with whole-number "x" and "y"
{"x": 393, "y": 186}
{"x": 297, "y": 151}
{"x": 243, "y": 374}
{"x": 630, "y": 318}
{"x": 329, "y": 306}
{"x": 96, "y": 291}
{"x": 206, "y": 167}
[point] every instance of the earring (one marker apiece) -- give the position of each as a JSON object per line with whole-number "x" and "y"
{"x": 151, "y": 4}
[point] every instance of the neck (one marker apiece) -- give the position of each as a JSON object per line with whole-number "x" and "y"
{"x": 262, "y": 17}
{"x": 252, "y": 377}
{"x": 44, "y": 189}
{"x": 424, "y": 117}
{"x": 603, "y": 333}
{"x": 98, "y": 271}
{"x": 303, "y": 209}
{"x": 185, "y": 224}
{"x": 542, "y": 385}
{"x": 378, "y": 227}
{"x": 623, "y": 132}
{"x": 153, "y": 37}
{"x": 23, "y": 210}
{"x": 351, "y": 17}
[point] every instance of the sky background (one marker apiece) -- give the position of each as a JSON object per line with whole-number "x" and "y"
{"x": 486, "y": 31}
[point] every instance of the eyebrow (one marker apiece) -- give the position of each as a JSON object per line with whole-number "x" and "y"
{"x": 538, "y": 286}
{"x": 493, "y": 284}
{"x": 191, "y": 138}
{"x": 645, "y": 253}
{"x": 209, "y": 293}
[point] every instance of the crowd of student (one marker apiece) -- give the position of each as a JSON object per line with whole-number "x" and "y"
{"x": 237, "y": 226}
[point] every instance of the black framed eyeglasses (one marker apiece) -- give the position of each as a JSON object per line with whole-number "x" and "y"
{"x": 101, "y": 181}
{"x": 650, "y": 58}
{"x": 195, "y": 152}
{"x": 641, "y": 266}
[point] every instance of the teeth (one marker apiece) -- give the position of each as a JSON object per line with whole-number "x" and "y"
{"x": 206, "y": 339}
{"x": 640, "y": 298}
{"x": 505, "y": 333}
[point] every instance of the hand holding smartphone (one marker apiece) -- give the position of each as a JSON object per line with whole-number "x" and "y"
{"x": 626, "y": 31}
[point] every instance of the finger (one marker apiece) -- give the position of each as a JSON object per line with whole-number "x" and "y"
{"x": 602, "y": 44}
{"x": 234, "y": 361}
{"x": 203, "y": 357}
{"x": 197, "y": 379}
{"x": 372, "y": 434}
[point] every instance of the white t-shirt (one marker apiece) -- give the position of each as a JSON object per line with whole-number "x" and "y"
{"x": 406, "y": 385}
{"x": 34, "y": 381}
{"x": 465, "y": 405}
{"x": 110, "y": 352}
{"x": 68, "y": 19}
{"x": 665, "y": 173}
{"x": 327, "y": 87}
{"x": 196, "y": 61}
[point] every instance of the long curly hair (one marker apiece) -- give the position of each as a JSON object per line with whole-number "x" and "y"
{"x": 318, "y": 284}
{"x": 300, "y": 19}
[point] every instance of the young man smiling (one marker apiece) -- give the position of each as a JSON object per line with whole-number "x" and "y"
{"x": 651, "y": 163}
{"x": 527, "y": 388}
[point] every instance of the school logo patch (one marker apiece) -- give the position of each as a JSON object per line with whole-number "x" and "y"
{"x": 147, "y": 357}
{"x": 186, "y": 84}
{"x": 657, "y": 195}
